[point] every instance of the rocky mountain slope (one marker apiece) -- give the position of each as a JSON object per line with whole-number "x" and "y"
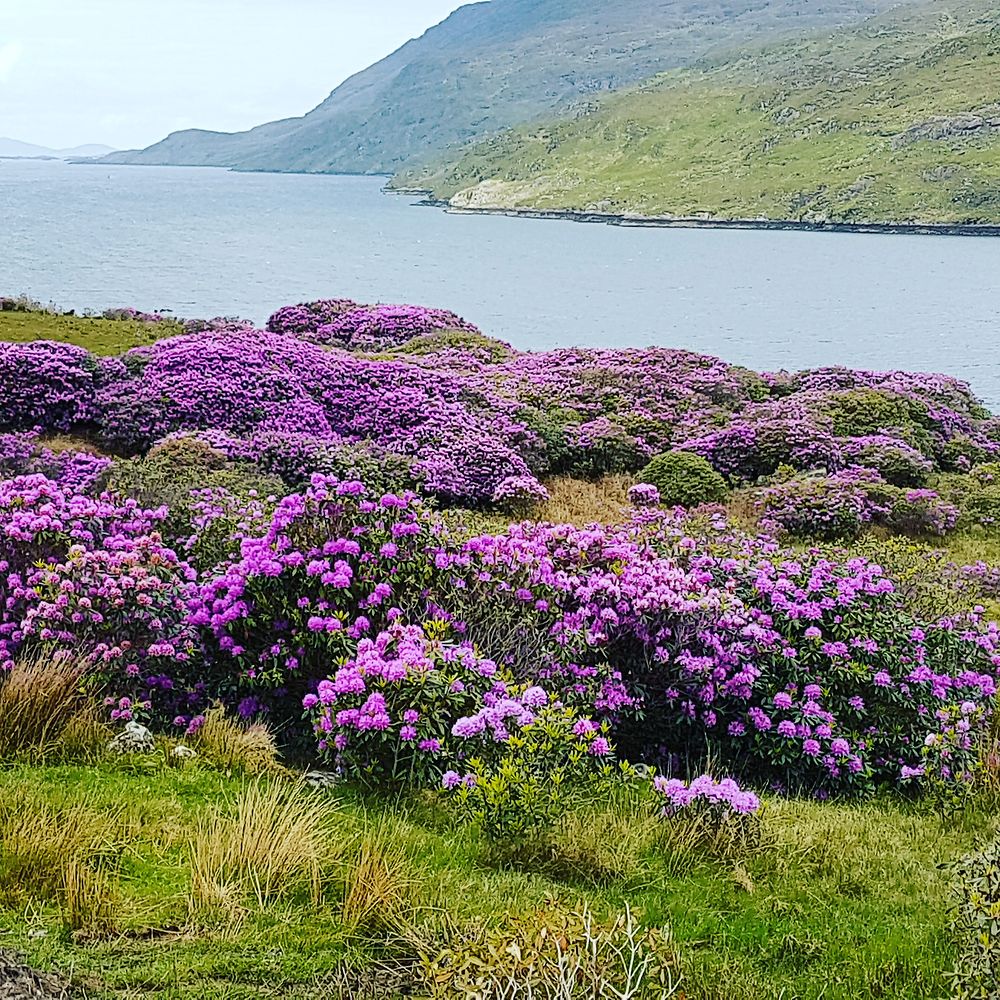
{"x": 895, "y": 120}
{"x": 493, "y": 65}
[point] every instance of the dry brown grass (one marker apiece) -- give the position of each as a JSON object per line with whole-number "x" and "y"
{"x": 989, "y": 760}
{"x": 89, "y": 901}
{"x": 606, "y": 844}
{"x": 380, "y": 887}
{"x": 69, "y": 442}
{"x": 576, "y": 501}
{"x": 39, "y": 699}
{"x": 271, "y": 845}
{"x": 40, "y": 842}
{"x": 234, "y": 747}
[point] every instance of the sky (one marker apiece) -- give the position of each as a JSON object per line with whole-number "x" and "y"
{"x": 126, "y": 73}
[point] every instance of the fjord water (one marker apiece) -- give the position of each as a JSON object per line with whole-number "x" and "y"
{"x": 205, "y": 242}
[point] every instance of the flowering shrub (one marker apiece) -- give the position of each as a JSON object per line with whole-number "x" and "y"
{"x": 387, "y": 715}
{"x": 46, "y": 385}
{"x": 718, "y": 815}
{"x": 93, "y": 576}
{"x": 839, "y": 506}
{"x": 684, "y": 479}
{"x": 764, "y": 438}
{"x": 807, "y": 672}
{"x": 922, "y": 512}
{"x": 683, "y": 637}
{"x": 896, "y": 461}
{"x": 704, "y": 792}
{"x": 518, "y": 494}
{"x": 601, "y": 448}
{"x": 24, "y": 455}
{"x": 377, "y": 328}
{"x": 308, "y": 317}
{"x": 644, "y": 495}
{"x": 334, "y": 566}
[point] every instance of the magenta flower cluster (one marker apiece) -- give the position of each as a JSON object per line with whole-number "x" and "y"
{"x": 726, "y": 795}
{"x": 410, "y": 643}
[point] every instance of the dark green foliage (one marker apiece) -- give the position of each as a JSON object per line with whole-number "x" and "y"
{"x": 186, "y": 452}
{"x": 859, "y": 412}
{"x": 173, "y": 471}
{"x": 684, "y": 479}
{"x": 607, "y": 451}
{"x": 960, "y": 453}
{"x": 976, "y": 494}
{"x": 977, "y": 924}
{"x": 487, "y": 349}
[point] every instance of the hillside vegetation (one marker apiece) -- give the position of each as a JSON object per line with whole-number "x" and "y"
{"x": 493, "y": 65}
{"x": 896, "y": 120}
{"x": 365, "y": 656}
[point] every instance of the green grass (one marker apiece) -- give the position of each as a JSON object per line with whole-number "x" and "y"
{"x": 807, "y": 130}
{"x": 843, "y": 902}
{"x": 100, "y": 336}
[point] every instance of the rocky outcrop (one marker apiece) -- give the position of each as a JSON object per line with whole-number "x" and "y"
{"x": 966, "y": 126}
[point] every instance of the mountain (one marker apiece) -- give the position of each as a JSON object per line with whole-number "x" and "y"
{"x": 896, "y": 120}
{"x": 86, "y": 151}
{"x": 493, "y": 65}
{"x": 14, "y": 147}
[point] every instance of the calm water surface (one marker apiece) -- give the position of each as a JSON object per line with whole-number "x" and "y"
{"x": 206, "y": 242}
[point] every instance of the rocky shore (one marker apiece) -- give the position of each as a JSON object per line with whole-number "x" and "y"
{"x": 630, "y": 219}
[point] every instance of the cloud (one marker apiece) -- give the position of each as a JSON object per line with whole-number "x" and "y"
{"x": 10, "y": 56}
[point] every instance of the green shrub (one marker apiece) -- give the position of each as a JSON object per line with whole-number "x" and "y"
{"x": 977, "y": 924}
{"x": 484, "y": 348}
{"x": 173, "y": 471}
{"x": 859, "y": 412}
{"x": 961, "y": 453}
{"x": 684, "y": 479}
{"x": 517, "y": 795}
{"x": 187, "y": 452}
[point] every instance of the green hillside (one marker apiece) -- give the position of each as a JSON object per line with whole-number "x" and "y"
{"x": 493, "y": 65}
{"x": 896, "y": 120}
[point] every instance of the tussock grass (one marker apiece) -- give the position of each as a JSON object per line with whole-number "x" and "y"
{"x": 40, "y": 698}
{"x": 577, "y": 501}
{"x": 604, "y": 845}
{"x": 380, "y": 887}
{"x": 272, "y": 844}
{"x": 41, "y": 842}
{"x": 89, "y": 901}
{"x": 235, "y": 747}
{"x": 842, "y": 900}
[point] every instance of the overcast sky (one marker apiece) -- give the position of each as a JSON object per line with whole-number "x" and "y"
{"x": 127, "y": 72}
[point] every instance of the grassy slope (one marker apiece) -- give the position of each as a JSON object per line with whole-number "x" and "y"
{"x": 492, "y": 65}
{"x": 805, "y": 130}
{"x": 845, "y": 903}
{"x": 101, "y": 336}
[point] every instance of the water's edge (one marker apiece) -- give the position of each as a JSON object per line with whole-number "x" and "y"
{"x": 427, "y": 200}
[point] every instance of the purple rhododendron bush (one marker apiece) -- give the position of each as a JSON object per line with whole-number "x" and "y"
{"x": 407, "y": 647}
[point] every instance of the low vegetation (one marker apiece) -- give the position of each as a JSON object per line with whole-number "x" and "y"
{"x": 288, "y": 704}
{"x": 892, "y": 121}
{"x": 177, "y": 881}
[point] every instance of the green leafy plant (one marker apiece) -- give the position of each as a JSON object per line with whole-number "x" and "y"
{"x": 977, "y": 925}
{"x": 553, "y": 954}
{"x": 516, "y": 791}
{"x": 684, "y": 479}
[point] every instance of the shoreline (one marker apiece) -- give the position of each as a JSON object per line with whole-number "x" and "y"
{"x": 635, "y": 221}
